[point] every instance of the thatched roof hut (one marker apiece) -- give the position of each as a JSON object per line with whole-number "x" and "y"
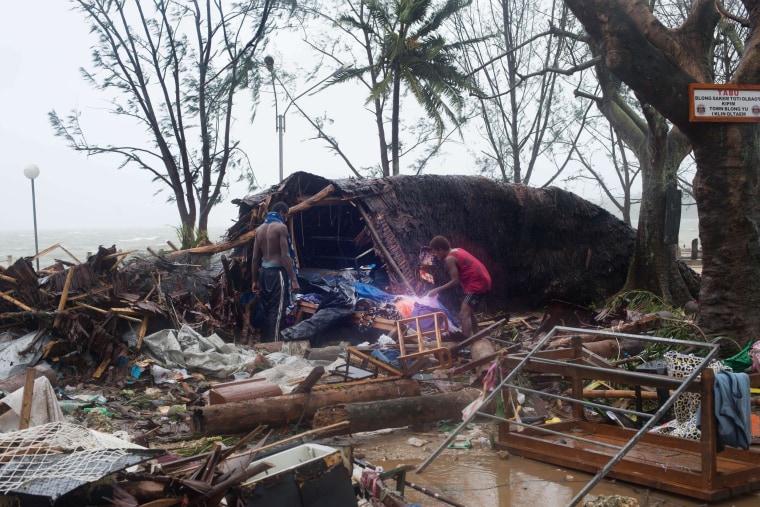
{"x": 538, "y": 244}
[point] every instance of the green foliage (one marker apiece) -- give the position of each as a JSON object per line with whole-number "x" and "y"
{"x": 638, "y": 301}
{"x": 189, "y": 237}
{"x": 409, "y": 50}
{"x": 676, "y": 328}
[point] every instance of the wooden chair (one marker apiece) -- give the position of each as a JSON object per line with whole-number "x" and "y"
{"x": 415, "y": 324}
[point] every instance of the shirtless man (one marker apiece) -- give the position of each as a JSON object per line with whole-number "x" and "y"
{"x": 467, "y": 271}
{"x": 273, "y": 273}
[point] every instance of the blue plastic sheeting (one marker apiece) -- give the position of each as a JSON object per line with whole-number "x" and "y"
{"x": 364, "y": 290}
{"x": 328, "y": 284}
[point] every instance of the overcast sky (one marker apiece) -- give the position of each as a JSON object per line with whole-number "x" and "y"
{"x": 42, "y": 45}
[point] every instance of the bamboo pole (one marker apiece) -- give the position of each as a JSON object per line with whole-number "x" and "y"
{"x": 100, "y": 310}
{"x": 16, "y": 302}
{"x": 8, "y": 278}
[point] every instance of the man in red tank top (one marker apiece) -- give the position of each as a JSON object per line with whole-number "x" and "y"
{"x": 467, "y": 271}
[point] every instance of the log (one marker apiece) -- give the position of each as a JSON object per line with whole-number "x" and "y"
{"x": 604, "y": 348}
{"x": 375, "y": 415}
{"x": 328, "y": 353}
{"x": 248, "y": 389}
{"x": 641, "y": 326}
{"x": 241, "y": 417}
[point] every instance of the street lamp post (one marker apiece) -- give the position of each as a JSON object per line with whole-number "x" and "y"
{"x": 32, "y": 171}
{"x": 280, "y": 118}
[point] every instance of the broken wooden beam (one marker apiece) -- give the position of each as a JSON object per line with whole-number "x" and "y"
{"x": 483, "y": 357}
{"x": 26, "y": 401}
{"x": 64, "y": 297}
{"x": 381, "y": 246}
{"x": 310, "y": 381}
{"x": 477, "y": 336}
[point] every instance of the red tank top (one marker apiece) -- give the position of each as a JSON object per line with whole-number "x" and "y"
{"x": 473, "y": 275}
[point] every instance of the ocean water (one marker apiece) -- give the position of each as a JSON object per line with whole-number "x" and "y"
{"x": 83, "y": 242}
{"x": 688, "y": 231}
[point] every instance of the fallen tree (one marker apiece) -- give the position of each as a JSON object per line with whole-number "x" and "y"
{"x": 375, "y": 415}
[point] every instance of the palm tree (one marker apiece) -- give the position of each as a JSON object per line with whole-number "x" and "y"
{"x": 410, "y": 50}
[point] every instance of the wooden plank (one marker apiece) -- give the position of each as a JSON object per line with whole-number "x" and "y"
{"x": 477, "y": 336}
{"x": 26, "y": 400}
{"x": 64, "y": 297}
{"x": 101, "y": 368}
{"x": 141, "y": 334}
{"x": 366, "y": 359}
{"x": 310, "y": 381}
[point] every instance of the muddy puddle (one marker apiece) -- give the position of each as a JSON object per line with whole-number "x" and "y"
{"x": 481, "y": 477}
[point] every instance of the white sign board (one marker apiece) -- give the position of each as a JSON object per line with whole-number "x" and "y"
{"x": 724, "y": 103}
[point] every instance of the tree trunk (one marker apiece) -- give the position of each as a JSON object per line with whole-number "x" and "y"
{"x": 384, "y": 162}
{"x": 241, "y": 417}
{"x": 396, "y": 105}
{"x": 659, "y": 62}
{"x": 376, "y": 415}
{"x": 727, "y": 191}
{"x": 654, "y": 265}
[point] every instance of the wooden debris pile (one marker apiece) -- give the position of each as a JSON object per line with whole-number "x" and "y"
{"x": 322, "y": 402}
{"x": 100, "y": 310}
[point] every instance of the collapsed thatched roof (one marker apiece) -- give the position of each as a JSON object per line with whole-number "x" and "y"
{"x": 538, "y": 244}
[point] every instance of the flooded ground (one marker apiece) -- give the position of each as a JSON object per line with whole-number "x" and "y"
{"x": 482, "y": 477}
